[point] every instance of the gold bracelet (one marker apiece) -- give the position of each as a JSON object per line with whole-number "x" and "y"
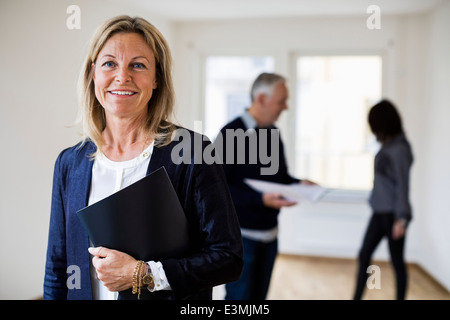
{"x": 136, "y": 288}
{"x": 140, "y": 280}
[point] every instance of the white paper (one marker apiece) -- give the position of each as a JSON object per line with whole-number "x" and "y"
{"x": 293, "y": 192}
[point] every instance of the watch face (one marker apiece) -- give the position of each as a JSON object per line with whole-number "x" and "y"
{"x": 147, "y": 279}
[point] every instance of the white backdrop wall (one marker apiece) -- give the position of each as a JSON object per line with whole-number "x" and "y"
{"x": 435, "y": 189}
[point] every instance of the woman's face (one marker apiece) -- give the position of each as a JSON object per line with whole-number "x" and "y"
{"x": 124, "y": 76}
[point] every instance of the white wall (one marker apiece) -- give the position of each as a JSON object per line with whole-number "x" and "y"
{"x": 435, "y": 205}
{"x": 39, "y": 62}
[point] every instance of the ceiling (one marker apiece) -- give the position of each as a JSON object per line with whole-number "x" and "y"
{"x": 188, "y": 10}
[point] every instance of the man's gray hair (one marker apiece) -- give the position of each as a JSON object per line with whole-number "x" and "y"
{"x": 265, "y": 83}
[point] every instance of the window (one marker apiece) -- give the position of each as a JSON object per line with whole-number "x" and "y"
{"x": 228, "y": 84}
{"x": 334, "y": 145}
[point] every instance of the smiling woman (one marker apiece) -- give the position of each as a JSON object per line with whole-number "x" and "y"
{"x": 126, "y": 101}
{"x": 124, "y": 78}
{"x": 127, "y": 57}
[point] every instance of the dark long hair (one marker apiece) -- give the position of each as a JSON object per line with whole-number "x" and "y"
{"x": 385, "y": 121}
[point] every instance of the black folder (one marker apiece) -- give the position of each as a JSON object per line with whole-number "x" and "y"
{"x": 144, "y": 220}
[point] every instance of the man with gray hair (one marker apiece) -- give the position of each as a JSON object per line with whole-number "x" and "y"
{"x": 257, "y": 212}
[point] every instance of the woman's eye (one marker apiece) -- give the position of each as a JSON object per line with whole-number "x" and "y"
{"x": 109, "y": 64}
{"x": 138, "y": 65}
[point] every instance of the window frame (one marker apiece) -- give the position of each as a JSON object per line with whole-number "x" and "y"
{"x": 339, "y": 195}
{"x": 204, "y": 57}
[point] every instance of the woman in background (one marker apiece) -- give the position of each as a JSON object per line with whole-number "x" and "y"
{"x": 389, "y": 199}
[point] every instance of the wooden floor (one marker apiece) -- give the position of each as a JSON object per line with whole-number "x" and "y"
{"x": 316, "y": 278}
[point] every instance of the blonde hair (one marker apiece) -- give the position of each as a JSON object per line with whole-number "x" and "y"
{"x": 161, "y": 104}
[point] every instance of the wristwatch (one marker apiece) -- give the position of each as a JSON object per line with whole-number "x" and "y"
{"x": 147, "y": 279}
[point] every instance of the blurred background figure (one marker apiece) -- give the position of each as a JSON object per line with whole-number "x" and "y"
{"x": 257, "y": 212}
{"x": 389, "y": 199}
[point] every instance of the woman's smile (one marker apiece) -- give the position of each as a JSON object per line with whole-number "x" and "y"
{"x": 122, "y": 93}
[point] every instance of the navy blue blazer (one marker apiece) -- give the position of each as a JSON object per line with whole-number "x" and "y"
{"x": 204, "y": 195}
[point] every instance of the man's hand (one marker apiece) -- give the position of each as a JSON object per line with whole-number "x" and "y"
{"x": 276, "y": 201}
{"x": 307, "y": 182}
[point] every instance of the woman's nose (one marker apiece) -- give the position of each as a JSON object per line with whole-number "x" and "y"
{"x": 123, "y": 75}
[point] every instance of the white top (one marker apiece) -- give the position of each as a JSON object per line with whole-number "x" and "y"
{"x": 109, "y": 177}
